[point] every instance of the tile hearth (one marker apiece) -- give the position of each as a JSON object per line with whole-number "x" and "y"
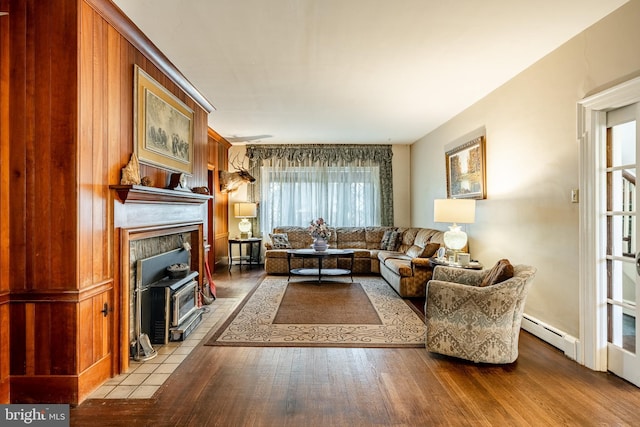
{"x": 143, "y": 379}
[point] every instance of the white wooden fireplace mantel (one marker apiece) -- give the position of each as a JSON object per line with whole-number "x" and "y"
{"x": 137, "y": 206}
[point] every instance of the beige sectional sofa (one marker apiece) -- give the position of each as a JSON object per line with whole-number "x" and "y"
{"x": 406, "y": 268}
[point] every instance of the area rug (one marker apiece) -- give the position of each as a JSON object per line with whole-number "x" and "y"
{"x": 366, "y": 313}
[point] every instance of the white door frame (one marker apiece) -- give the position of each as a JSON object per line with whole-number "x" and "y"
{"x": 592, "y": 137}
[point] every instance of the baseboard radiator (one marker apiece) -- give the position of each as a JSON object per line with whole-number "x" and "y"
{"x": 559, "y": 339}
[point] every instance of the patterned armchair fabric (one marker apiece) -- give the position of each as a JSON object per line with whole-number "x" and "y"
{"x": 481, "y": 324}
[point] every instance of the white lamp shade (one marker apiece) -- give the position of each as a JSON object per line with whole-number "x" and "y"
{"x": 245, "y": 210}
{"x": 454, "y": 210}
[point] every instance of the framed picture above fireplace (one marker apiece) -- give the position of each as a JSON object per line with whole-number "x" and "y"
{"x": 465, "y": 166}
{"x": 163, "y": 126}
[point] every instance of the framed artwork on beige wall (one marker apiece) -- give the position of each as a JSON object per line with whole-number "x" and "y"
{"x": 163, "y": 126}
{"x": 466, "y": 170}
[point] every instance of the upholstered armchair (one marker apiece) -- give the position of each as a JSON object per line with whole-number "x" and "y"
{"x": 473, "y": 322}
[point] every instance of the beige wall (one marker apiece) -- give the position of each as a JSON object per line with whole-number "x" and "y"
{"x": 532, "y": 161}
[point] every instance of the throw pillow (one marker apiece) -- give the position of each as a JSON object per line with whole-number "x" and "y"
{"x": 394, "y": 241}
{"x": 500, "y": 272}
{"x": 416, "y": 251}
{"x": 430, "y": 250}
{"x": 280, "y": 241}
{"x": 385, "y": 239}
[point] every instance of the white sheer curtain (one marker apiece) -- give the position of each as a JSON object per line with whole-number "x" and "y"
{"x": 344, "y": 195}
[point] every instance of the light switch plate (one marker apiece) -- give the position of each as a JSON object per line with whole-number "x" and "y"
{"x": 574, "y": 196}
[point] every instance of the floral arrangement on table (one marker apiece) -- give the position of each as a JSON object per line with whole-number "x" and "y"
{"x": 318, "y": 228}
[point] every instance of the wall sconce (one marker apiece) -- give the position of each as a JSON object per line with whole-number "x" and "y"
{"x": 245, "y": 211}
{"x": 455, "y": 211}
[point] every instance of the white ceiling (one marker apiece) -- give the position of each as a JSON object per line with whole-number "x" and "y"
{"x": 353, "y": 71}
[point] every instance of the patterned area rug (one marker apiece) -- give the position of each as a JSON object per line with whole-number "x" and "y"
{"x": 307, "y": 308}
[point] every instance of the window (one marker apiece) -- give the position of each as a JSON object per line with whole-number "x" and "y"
{"x": 621, "y": 226}
{"x": 347, "y": 185}
{"x": 346, "y": 196}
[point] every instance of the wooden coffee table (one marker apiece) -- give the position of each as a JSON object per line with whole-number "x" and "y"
{"x": 320, "y": 256}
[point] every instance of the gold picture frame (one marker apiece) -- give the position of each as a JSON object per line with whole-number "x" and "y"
{"x": 163, "y": 134}
{"x": 466, "y": 170}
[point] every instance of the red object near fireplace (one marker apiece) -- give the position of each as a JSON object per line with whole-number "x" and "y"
{"x": 212, "y": 286}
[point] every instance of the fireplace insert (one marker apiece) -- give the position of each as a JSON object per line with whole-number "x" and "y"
{"x": 171, "y": 303}
{"x": 169, "y": 306}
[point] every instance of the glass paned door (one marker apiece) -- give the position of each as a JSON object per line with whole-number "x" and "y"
{"x": 621, "y": 242}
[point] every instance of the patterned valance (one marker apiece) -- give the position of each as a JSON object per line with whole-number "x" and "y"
{"x": 327, "y": 154}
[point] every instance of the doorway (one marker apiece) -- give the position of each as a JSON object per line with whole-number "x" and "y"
{"x": 621, "y": 237}
{"x": 609, "y": 141}
{"x": 211, "y": 225}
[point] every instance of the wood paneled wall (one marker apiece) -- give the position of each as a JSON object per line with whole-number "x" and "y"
{"x": 70, "y": 132}
{"x": 219, "y": 157}
{"x": 43, "y": 199}
{"x": 4, "y": 204}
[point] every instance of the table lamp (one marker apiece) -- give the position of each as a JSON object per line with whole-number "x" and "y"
{"x": 455, "y": 211}
{"x": 244, "y": 211}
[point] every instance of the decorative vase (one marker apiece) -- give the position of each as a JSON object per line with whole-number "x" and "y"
{"x": 320, "y": 244}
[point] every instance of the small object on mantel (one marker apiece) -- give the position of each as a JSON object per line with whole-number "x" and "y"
{"x": 146, "y": 181}
{"x": 178, "y": 181}
{"x": 142, "y": 194}
{"x": 200, "y": 190}
{"x": 131, "y": 172}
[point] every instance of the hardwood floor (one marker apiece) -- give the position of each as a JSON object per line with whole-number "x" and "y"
{"x": 235, "y": 386}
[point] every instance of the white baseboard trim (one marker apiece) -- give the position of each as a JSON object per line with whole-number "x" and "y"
{"x": 559, "y": 339}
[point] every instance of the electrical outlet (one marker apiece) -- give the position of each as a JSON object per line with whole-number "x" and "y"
{"x": 574, "y": 196}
